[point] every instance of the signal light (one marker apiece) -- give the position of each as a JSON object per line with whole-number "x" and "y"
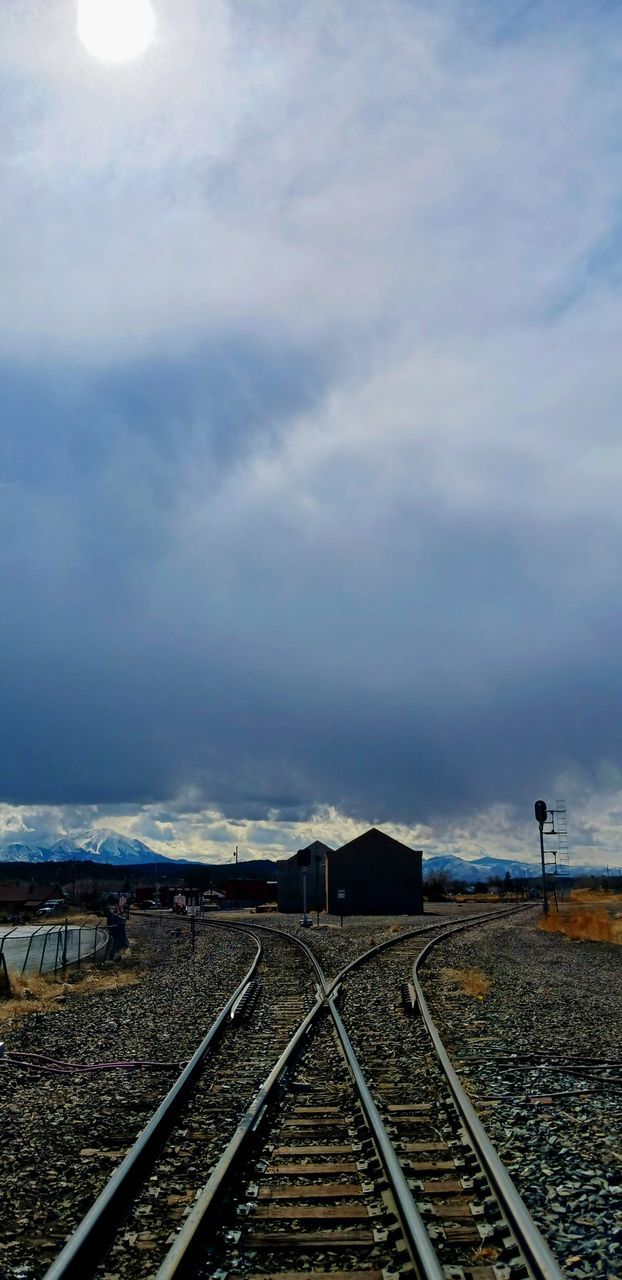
{"x": 540, "y": 811}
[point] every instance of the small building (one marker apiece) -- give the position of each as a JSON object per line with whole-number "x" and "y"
{"x": 374, "y": 875}
{"x": 290, "y": 880}
{"x": 18, "y": 899}
{"x": 244, "y": 892}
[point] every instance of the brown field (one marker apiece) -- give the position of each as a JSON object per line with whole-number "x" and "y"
{"x": 36, "y": 993}
{"x": 590, "y": 916}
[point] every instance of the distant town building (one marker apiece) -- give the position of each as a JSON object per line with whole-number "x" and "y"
{"x": 290, "y": 880}
{"x": 374, "y": 875}
{"x": 27, "y": 898}
{"x": 243, "y": 892}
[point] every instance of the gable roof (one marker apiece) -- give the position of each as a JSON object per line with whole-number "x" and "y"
{"x": 379, "y": 839}
{"x": 315, "y": 849}
{"x": 33, "y": 893}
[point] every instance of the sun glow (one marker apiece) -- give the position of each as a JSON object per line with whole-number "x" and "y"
{"x": 116, "y": 30}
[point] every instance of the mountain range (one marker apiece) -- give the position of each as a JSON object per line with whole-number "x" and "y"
{"x": 99, "y": 845}
{"x": 106, "y": 846}
{"x": 489, "y": 868}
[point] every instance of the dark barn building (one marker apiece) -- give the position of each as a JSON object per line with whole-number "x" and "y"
{"x": 290, "y": 875}
{"x": 375, "y": 875}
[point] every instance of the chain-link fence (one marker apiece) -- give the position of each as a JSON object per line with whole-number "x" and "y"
{"x": 46, "y": 948}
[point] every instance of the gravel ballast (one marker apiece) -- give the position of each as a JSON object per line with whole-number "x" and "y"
{"x": 63, "y": 1135}
{"x": 557, "y": 1125}
{"x": 555, "y": 1119}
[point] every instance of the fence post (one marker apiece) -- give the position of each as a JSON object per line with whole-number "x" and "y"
{"x": 4, "y": 968}
{"x": 4, "y": 974}
{"x": 4, "y": 938}
{"x": 32, "y": 938}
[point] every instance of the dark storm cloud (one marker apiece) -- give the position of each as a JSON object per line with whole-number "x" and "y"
{"x": 309, "y": 470}
{"x": 405, "y": 662}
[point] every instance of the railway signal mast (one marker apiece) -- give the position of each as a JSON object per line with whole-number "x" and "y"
{"x": 304, "y": 862}
{"x": 541, "y": 817}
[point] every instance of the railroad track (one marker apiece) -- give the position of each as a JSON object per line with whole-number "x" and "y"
{"x": 141, "y": 1206}
{"x": 346, "y": 1160}
{"x": 551, "y": 1107}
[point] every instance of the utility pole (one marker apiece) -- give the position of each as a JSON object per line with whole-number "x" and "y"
{"x": 541, "y": 817}
{"x": 318, "y": 859}
{"x": 303, "y": 858}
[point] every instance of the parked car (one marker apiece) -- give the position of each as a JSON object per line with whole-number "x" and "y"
{"x": 51, "y": 908}
{"x": 147, "y": 904}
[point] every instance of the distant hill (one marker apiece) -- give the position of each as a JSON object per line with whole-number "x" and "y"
{"x": 105, "y": 847}
{"x": 98, "y": 845}
{"x": 487, "y": 868}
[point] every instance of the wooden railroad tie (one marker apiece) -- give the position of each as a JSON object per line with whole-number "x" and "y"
{"x": 309, "y": 1239}
{"x": 332, "y": 1149}
{"x": 316, "y": 1275}
{"x": 318, "y": 1212}
{"x": 322, "y": 1191}
{"x": 308, "y": 1170}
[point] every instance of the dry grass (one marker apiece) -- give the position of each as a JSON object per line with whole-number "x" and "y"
{"x": 470, "y": 982}
{"x": 40, "y": 993}
{"x": 600, "y": 896}
{"x": 584, "y": 924}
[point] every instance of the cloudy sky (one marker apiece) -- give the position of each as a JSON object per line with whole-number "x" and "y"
{"x": 310, "y": 393}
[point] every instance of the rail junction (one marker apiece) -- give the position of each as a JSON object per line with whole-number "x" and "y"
{"x": 318, "y": 1131}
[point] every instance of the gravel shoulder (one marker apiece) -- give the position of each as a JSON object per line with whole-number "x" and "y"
{"x": 336, "y": 945}
{"x": 556, "y": 1121}
{"x": 62, "y": 1133}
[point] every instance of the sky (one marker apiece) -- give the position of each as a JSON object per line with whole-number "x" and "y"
{"x": 309, "y": 403}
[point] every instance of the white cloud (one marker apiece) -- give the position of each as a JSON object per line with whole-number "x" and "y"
{"x": 383, "y": 172}
{"x": 427, "y": 216}
{"x": 209, "y": 835}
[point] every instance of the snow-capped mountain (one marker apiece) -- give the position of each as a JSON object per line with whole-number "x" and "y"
{"x": 487, "y": 868}
{"x": 478, "y": 869}
{"x": 108, "y": 846}
{"x": 19, "y": 852}
{"x": 99, "y": 845}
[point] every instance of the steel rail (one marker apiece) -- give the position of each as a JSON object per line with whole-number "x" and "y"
{"x": 329, "y": 987}
{"x": 245, "y": 925}
{"x": 179, "y": 1258}
{"x": 181, "y": 1255}
{"x": 416, "y": 933}
{"x": 537, "y": 1253}
{"x": 412, "y": 1223}
{"x": 182, "y": 1251}
{"x": 89, "y": 1244}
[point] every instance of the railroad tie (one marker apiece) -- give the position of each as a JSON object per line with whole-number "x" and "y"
{"x": 316, "y": 1212}
{"x": 420, "y": 1108}
{"x": 313, "y": 1191}
{"x": 345, "y": 1239}
{"x": 309, "y": 1170}
{"x": 326, "y": 1149}
{"x": 322, "y": 1275}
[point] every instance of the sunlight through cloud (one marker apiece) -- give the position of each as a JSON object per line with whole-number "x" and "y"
{"x": 116, "y": 30}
